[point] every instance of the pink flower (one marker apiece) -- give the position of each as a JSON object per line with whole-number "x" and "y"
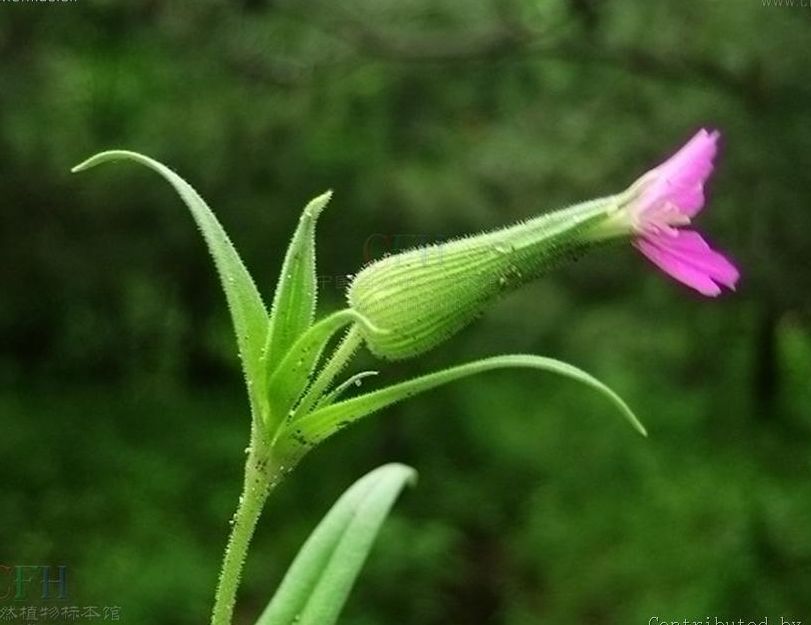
{"x": 665, "y": 200}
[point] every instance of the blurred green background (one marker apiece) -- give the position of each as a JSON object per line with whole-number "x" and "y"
{"x": 122, "y": 417}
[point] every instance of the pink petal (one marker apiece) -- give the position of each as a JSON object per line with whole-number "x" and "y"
{"x": 680, "y": 179}
{"x": 679, "y": 270}
{"x": 690, "y": 247}
{"x": 689, "y": 259}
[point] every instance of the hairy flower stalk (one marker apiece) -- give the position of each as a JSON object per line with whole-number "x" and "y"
{"x": 421, "y": 297}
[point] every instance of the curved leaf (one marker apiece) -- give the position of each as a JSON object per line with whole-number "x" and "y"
{"x": 248, "y": 313}
{"x": 317, "y": 584}
{"x": 321, "y": 423}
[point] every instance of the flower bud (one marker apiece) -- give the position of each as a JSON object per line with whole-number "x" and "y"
{"x": 421, "y": 297}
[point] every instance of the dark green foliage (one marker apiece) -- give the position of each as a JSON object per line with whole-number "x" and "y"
{"x": 121, "y": 411}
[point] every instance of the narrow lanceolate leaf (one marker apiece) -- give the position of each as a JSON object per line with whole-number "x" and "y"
{"x": 317, "y": 585}
{"x": 291, "y": 376}
{"x": 293, "y": 306}
{"x": 248, "y": 313}
{"x": 321, "y": 423}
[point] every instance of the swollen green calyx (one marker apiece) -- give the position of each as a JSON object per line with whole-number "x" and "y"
{"x": 421, "y": 297}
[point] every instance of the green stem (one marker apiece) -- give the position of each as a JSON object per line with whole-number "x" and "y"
{"x": 343, "y": 352}
{"x": 261, "y": 476}
{"x": 255, "y": 492}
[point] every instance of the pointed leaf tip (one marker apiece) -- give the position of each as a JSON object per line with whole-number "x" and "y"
{"x": 317, "y": 204}
{"x": 248, "y": 312}
{"x": 293, "y": 308}
{"x": 103, "y": 157}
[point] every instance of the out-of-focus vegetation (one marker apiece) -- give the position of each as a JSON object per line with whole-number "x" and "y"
{"x": 122, "y": 418}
